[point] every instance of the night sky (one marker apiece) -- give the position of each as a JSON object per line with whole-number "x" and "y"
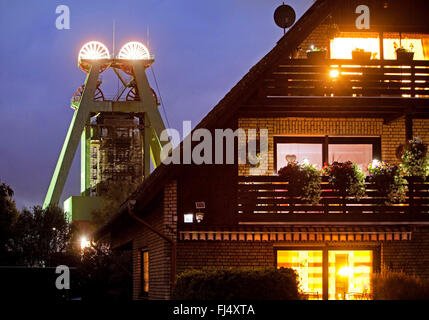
{"x": 202, "y": 48}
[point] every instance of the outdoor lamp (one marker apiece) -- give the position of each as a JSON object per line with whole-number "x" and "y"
{"x": 199, "y": 216}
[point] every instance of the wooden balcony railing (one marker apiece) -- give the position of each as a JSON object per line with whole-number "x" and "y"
{"x": 342, "y": 77}
{"x": 266, "y": 198}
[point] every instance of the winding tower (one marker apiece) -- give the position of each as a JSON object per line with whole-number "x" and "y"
{"x": 118, "y": 136}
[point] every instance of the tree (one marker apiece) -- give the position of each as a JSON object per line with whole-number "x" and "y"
{"x": 8, "y": 216}
{"x": 41, "y": 234}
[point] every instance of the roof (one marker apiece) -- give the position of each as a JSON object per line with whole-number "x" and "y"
{"x": 229, "y": 105}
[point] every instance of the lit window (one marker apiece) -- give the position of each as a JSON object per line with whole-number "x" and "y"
{"x": 188, "y": 218}
{"x": 311, "y": 152}
{"x": 144, "y": 275}
{"x": 361, "y": 154}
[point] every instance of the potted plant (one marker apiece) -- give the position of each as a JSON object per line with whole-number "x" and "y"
{"x": 415, "y": 159}
{"x": 404, "y": 54}
{"x": 316, "y": 54}
{"x": 388, "y": 181}
{"x": 303, "y": 181}
{"x": 346, "y": 178}
{"x": 361, "y": 55}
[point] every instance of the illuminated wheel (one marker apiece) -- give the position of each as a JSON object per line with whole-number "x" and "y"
{"x": 93, "y": 50}
{"x": 132, "y": 51}
{"x": 98, "y": 96}
{"x": 133, "y": 95}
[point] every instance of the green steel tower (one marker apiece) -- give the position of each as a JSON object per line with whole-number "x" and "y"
{"x": 117, "y": 135}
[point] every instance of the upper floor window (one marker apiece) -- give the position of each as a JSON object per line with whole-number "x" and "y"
{"x": 320, "y": 150}
{"x": 144, "y": 272}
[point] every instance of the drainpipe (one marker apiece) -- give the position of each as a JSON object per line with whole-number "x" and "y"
{"x": 131, "y": 204}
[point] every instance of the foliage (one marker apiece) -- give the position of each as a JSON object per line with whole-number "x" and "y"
{"x": 388, "y": 181}
{"x": 388, "y": 285}
{"x": 415, "y": 159}
{"x": 39, "y": 235}
{"x": 346, "y": 178}
{"x": 113, "y": 194}
{"x": 103, "y": 274}
{"x": 258, "y": 284}
{"x": 8, "y": 216}
{"x": 303, "y": 181}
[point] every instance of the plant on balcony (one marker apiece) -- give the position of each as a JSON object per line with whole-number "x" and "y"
{"x": 415, "y": 159}
{"x": 361, "y": 55}
{"x": 388, "y": 181}
{"x": 404, "y": 54}
{"x": 303, "y": 181}
{"x": 316, "y": 54}
{"x": 346, "y": 178}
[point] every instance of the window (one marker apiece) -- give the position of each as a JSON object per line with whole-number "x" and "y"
{"x": 348, "y": 275}
{"x": 320, "y": 150}
{"x": 144, "y": 272}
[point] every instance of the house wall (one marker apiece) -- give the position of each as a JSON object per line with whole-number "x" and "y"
{"x": 392, "y": 134}
{"x": 164, "y": 219}
{"x": 409, "y": 256}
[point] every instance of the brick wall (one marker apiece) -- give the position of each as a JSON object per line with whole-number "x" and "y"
{"x": 411, "y": 257}
{"x": 392, "y": 134}
{"x": 164, "y": 219}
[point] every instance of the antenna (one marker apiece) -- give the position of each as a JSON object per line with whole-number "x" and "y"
{"x": 113, "y": 38}
{"x": 284, "y": 16}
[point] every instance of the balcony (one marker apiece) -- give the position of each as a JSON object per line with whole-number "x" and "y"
{"x": 265, "y": 199}
{"x": 342, "y": 87}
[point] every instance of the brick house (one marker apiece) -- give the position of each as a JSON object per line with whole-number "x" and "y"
{"x": 334, "y": 109}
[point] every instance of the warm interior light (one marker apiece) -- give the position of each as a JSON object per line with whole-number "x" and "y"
{"x": 84, "y": 242}
{"x": 134, "y": 51}
{"x": 334, "y": 73}
{"x": 375, "y": 162}
{"x": 345, "y": 272}
{"x": 94, "y": 50}
{"x": 341, "y": 48}
{"x": 306, "y": 162}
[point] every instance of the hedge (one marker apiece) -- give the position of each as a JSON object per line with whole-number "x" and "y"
{"x": 390, "y": 285}
{"x": 238, "y": 284}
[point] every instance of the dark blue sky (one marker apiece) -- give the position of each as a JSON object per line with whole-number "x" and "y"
{"x": 202, "y": 48}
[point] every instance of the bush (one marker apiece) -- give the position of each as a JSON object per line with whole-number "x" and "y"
{"x": 303, "y": 181}
{"x": 346, "y": 178}
{"x": 389, "y": 285}
{"x": 259, "y": 284}
{"x": 388, "y": 181}
{"x": 415, "y": 159}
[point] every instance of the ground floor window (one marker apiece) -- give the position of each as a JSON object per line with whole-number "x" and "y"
{"x": 320, "y": 150}
{"x": 144, "y": 272}
{"x": 335, "y": 274}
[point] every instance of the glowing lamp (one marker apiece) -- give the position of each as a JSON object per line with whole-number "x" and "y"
{"x": 345, "y": 272}
{"x": 334, "y": 73}
{"x": 306, "y": 162}
{"x": 134, "y": 50}
{"x": 375, "y": 163}
{"x": 199, "y": 216}
{"x": 84, "y": 242}
{"x": 93, "y": 50}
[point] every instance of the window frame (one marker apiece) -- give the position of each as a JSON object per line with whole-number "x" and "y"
{"x": 325, "y": 141}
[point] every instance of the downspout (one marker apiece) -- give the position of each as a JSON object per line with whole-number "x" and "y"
{"x": 131, "y": 204}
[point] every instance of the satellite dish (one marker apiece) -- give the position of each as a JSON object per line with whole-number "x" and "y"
{"x": 284, "y": 16}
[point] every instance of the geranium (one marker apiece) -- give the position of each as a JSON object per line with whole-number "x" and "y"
{"x": 388, "y": 181}
{"x": 346, "y": 178}
{"x": 415, "y": 159}
{"x": 303, "y": 181}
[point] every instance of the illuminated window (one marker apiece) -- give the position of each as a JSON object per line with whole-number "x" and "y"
{"x": 341, "y": 48}
{"x": 144, "y": 272}
{"x": 348, "y": 278}
{"x": 350, "y": 274}
{"x": 361, "y": 154}
{"x": 308, "y": 265}
{"x": 300, "y": 152}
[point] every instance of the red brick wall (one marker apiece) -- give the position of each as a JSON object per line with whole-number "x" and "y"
{"x": 164, "y": 219}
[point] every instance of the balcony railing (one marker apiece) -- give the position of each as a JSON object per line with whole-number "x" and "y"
{"x": 266, "y": 198}
{"x": 342, "y": 77}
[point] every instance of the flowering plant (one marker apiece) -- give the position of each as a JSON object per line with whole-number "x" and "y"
{"x": 388, "y": 181}
{"x": 415, "y": 159}
{"x": 346, "y": 178}
{"x": 303, "y": 181}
